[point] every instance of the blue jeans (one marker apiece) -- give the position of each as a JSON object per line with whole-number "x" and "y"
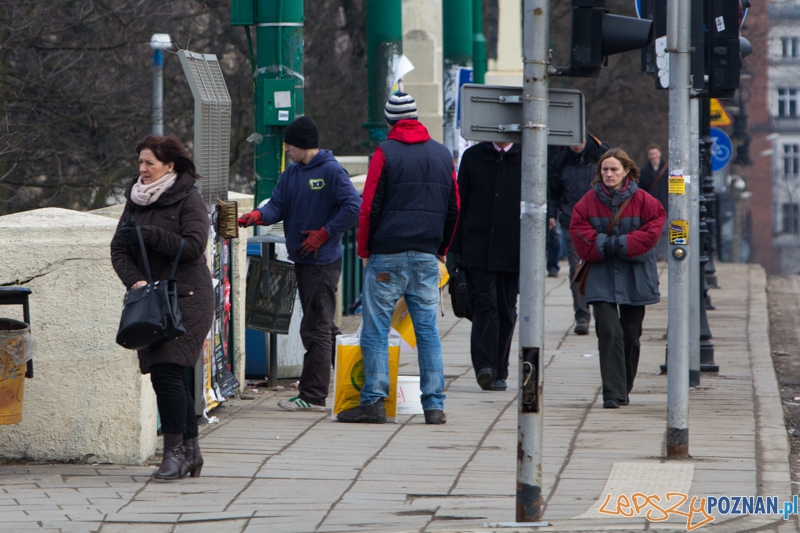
{"x": 553, "y": 248}
{"x": 387, "y": 278}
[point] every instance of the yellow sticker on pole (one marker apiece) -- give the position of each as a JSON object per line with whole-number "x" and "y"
{"x": 677, "y": 185}
{"x": 679, "y": 232}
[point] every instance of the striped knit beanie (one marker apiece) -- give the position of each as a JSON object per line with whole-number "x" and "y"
{"x": 400, "y": 106}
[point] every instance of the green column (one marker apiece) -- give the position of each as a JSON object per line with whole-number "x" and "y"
{"x": 478, "y": 43}
{"x": 384, "y": 46}
{"x": 279, "y": 55}
{"x": 457, "y": 52}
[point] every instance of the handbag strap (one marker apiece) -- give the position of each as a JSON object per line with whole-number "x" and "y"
{"x": 619, "y": 214}
{"x": 147, "y": 263}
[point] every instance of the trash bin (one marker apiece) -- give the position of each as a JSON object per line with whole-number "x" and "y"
{"x": 15, "y": 351}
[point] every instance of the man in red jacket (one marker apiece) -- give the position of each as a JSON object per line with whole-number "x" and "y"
{"x": 408, "y": 216}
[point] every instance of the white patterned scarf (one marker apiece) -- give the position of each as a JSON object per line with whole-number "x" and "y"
{"x": 142, "y": 194}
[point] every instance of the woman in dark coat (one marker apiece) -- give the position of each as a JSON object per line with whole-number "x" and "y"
{"x": 165, "y": 203}
{"x": 623, "y": 277}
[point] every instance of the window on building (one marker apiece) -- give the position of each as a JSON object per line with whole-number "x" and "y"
{"x": 791, "y": 214}
{"x": 790, "y": 47}
{"x": 791, "y": 160}
{"x": 787, "y": 101}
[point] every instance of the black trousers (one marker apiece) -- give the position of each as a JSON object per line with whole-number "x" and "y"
{"x": 317, "y": 285}
{"x": 494, "y": 315}
{"x": 174, "y": 399}
{"x": 618, "y": 332}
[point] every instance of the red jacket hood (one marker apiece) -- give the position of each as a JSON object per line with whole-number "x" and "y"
{"x": 409, "y": 131}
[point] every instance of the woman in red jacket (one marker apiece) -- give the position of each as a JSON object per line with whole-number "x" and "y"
{"x": 623, "y": 277}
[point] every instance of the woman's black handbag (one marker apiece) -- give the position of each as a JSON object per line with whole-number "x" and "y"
{"x": 459, "y": 296}
{"x": 150, "y": 314}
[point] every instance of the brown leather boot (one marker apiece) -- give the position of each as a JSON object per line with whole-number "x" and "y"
{"x": 192, "y": 452}
{"x": 174, "y": 465}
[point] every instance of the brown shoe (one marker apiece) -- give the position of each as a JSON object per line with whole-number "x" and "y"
{"x": 193, "y": 457}
{"x": 435, "y": 416}
{"x": 174, "y": 465}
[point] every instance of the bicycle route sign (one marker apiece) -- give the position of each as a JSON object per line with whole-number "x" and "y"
{"x": 721, "y": 150}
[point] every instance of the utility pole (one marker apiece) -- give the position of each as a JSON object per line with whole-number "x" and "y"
{"x": 678, "y": 46}
{"x": 694, "y": 241}
{"x": 384, "y": 46}
{"x": 533, "y": 232}
{"x": 457, "y": 52}
{"x": 478, "y": 43}
{"x": 159, "y": 42}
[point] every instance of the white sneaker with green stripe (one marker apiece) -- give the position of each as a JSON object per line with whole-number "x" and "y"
{"x": 296, "y": 404}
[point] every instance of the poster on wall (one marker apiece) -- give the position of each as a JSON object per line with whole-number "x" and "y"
{"x": 218, "y": 380}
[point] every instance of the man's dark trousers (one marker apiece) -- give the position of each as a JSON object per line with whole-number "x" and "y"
{"x": 494, "y": 315}
{"x": 317, "y": 285}
{"x": 618, "y": 334}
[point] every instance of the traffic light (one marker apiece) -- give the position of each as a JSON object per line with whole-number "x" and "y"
{"x": 725, "y": 48}
{"x": 597, "y": 34}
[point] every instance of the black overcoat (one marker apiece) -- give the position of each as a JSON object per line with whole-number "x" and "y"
{"x": 180, "y": 212}
{"x": 489, "y": 183}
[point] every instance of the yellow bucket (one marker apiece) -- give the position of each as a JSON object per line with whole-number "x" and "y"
{"x": 12, "y": 376}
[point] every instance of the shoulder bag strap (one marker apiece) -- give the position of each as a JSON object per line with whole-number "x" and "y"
{"x": 658, "y": 177}
{"x": 144, "y": 255}
{"x": 619, "y": 214}
{"x": 178, "y": 258}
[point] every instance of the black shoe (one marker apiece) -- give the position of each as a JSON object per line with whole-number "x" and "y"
{"x": 374, "y": 413}
{"x": 582, "y": 328}
{"x": 613, "y": 403}
{"x": 499, "y": 384}
{"x": 626, "y": 401}
{"x": 552, "y": 273}
{"x": 486, "y": 379}
{"x": 435, "y": 416}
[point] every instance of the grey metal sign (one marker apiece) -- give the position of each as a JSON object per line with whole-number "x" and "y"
{"x": 494, "y": 113}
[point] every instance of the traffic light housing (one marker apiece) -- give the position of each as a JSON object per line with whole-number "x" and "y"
{"x": 725, "y": 48}
{"x": 597, "y": 34}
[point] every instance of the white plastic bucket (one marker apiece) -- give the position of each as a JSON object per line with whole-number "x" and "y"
{"x": 408, "y": 402}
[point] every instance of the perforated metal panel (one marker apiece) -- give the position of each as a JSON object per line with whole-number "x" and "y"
{"x": 212, "y": 123}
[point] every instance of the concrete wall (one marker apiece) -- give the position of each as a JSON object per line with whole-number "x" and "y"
{"x": 87, "y": 400}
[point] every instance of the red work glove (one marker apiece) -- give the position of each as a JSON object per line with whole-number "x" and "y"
{"x": 250, "y": 219}
{"x": 314, "y": 239}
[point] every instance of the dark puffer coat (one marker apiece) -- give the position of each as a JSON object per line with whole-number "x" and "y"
{"x": 179, "y": 212}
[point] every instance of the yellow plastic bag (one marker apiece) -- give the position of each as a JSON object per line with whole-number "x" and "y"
{"x": 401, "y": 319}
{"x": 348, "y": 377}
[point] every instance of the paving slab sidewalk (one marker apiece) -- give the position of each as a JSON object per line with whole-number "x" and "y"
{"x": 269, "y": 470}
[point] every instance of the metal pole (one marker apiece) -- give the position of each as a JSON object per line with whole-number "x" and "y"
{"x": 384, "y": 45}
{"x": 678, "y": 44}
{"x": 158, "y": 92}
{"x": 694, "y": 242}
{"x": 456, "y": 52}
{"x": 478, "y": 43}
{"x": 533, "y": 234}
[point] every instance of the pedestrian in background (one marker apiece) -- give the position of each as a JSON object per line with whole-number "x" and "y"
{"x": 654, "y": 179}
{"x": 317, "y": 202}
{"x": 570, "y": 176}
{"x": 486, "y": 245}
{"x": 623, "y": 277}
{"x": 164, "y": 202}
{"x": 408, "y": 217}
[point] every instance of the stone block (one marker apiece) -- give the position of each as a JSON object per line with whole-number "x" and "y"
{"x": 87, "y": 401}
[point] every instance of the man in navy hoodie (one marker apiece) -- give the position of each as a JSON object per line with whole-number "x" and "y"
{"x": 408, "y": 218}
{"x": 317, "y": 202}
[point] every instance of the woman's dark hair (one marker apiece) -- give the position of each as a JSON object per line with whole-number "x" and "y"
{"x": 627, "y": 164}
{"x": 169, "y": 149}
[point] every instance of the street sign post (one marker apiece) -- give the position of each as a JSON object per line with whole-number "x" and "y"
{"x": 494, "y": 113}
{"x": 721, "y": 150}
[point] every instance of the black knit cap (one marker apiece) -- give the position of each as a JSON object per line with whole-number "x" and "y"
{"x": 302, "y": 133}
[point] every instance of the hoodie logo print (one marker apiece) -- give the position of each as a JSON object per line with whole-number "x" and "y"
{"x": 317, "y": 185}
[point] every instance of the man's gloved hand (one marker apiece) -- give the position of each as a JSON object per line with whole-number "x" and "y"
{"x": 129, "y": 233}
{"x": 612, "y": 246}
{"x": 314, "y": 239}
{"x": 252, "y": 218}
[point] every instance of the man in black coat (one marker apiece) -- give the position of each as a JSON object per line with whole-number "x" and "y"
{"x": 654, "y": 178}
{"x": 570, "y": 176}
{"x": 487, "y": 246}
